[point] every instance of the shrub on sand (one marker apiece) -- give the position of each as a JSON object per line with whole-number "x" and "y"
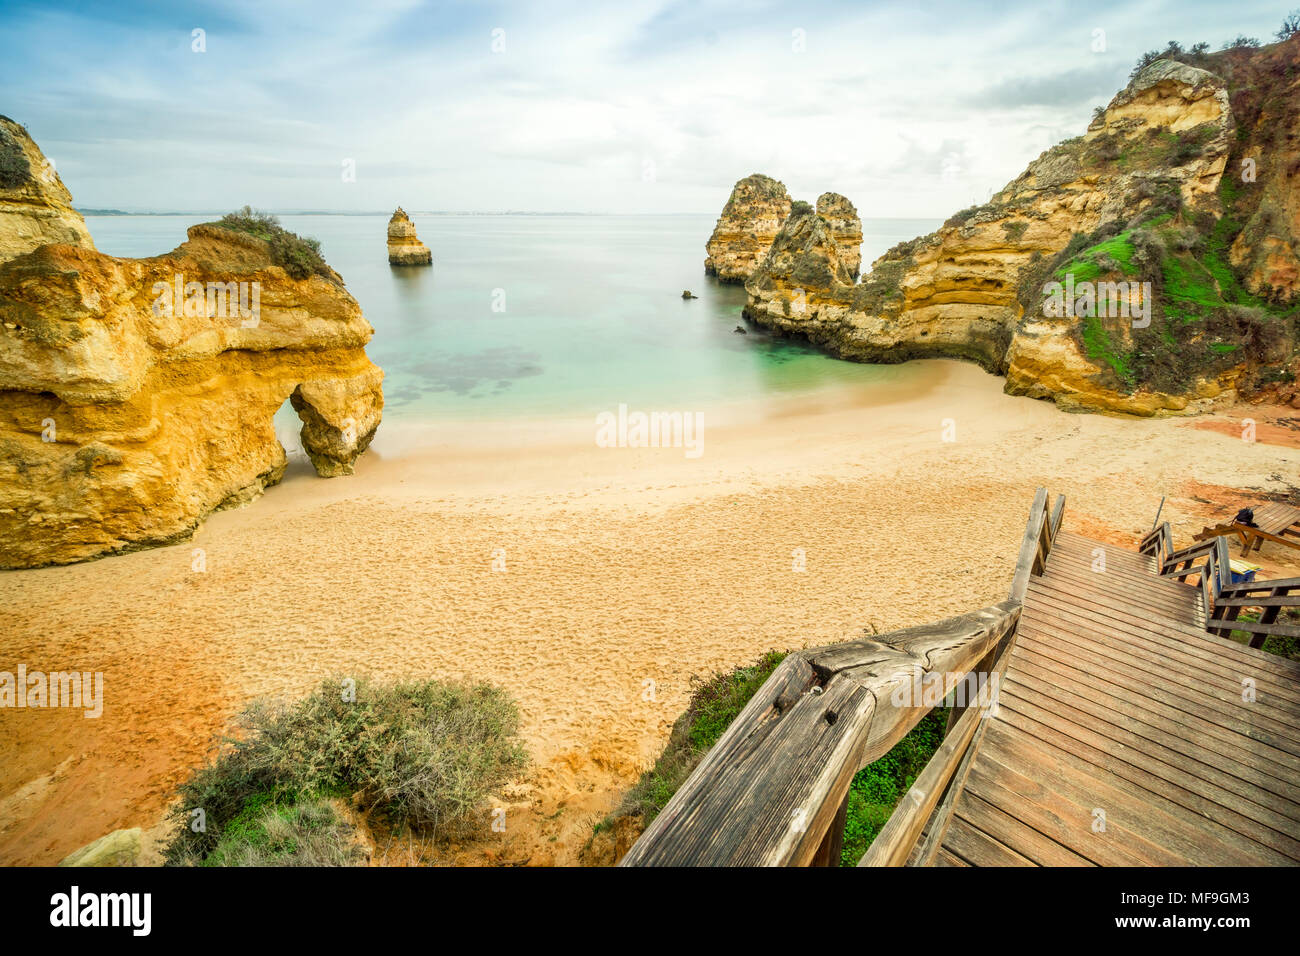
{"x": 423, "y": 755}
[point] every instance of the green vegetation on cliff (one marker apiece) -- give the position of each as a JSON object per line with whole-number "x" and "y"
{"x": 1203, "y": 319}
{"x": 297, "y": 255}
{"x": 14, "y": 168}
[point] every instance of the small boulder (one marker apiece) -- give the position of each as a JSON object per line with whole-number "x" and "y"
{"x": 688, "y": 294}
{"x": 740, "y": 329}
{"x": 119, "y": 848}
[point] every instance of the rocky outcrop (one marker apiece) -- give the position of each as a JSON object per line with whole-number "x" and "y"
{"x": 404, "y": 247}
{"x": 750, "y": 220}
{"x": 35, "y": 207}
{"x": 137, "y": 395}
{"x": 119, "y": 848}
{"x": 1138, "y": 198}
{"x": 846, "y": 227}
{"x": 758, "y": 208}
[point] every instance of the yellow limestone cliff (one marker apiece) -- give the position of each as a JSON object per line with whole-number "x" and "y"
{"x": 137, "y": 395}
{"x": 1140, "y": 197}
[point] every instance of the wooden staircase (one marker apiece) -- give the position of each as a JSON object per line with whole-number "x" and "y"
{"x": 1126, "y": 728}
{"x": 1124, "y": 735}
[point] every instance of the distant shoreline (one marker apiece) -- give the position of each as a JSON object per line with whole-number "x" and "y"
{"x": 445, "y": 212}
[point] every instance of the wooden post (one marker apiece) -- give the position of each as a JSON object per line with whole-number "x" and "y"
{"x": 828, "y": 852}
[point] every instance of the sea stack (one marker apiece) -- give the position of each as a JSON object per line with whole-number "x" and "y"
{"x": 404, "y": 246}
{"x": 138, "y": 394}
{"x": 758, "y": 207}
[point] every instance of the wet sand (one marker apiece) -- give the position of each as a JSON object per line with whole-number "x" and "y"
{"x": 621, "y": 567}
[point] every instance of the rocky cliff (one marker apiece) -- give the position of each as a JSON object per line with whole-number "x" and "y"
{"x": 757, "y": 209}
{"x": 750, "y": 220}
{"x": 404, "y": 246}
{"x": 1197, "y": 267}
{"x": 845, "y": 226}
{"x": 35, "y": 208}
{"x": 136, "y": 395}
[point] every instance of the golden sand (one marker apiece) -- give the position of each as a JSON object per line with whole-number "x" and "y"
{"x": 626, "y": 571}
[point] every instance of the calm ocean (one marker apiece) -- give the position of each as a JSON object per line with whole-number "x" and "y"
{"x": 524, "y": 316}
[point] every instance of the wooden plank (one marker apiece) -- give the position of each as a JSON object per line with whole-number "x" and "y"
{"x": 1270, "y": 760}
{"x": 1188, "y": 753}
{"x": 1170, "y": 784}
{"x": 1259, "y": 586}
{"x": 832, "y": 845}
{"x": 1277, "y": 630}
{"x": 1066, "y": 817}
{"x": 1119, "y": 603}
{"x": 769, "y": 790}
{"x": 1009, "y": 831}
{"x": 1139, "y": 822}
{"x": 1197, "y": 654}
{"x": 979, "y": 848}
{"x": 1155, "y": 687}
{"x": 941, "y": 818}
{"x": 1058, "y": 514}
{"x": 1156, "y": 653}
{"x": 1281, "y": 600}
{"x": 950, "y": 859}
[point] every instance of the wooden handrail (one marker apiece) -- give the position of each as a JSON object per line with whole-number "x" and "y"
{"x": 1031, "y": 558}
{"x": 1269, "y": 596}
{"x": 1058, "y": 513}
{"x": 772, "y": 791}
{"x": 1248, "y": 587}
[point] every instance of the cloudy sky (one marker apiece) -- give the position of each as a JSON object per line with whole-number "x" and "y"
{"x": 909, "y": 109}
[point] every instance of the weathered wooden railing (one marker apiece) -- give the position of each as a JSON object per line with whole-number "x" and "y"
{"x": 774, "y": 789}
{"x": 1222, "y": 601}
{"x": 1269, "y": 597}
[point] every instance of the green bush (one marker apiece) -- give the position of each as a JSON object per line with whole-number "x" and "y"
{"x": 297, "y": 255}
{"x": 877, "y": 787}
{"x": 312, "y": 833}
{"x": 423, "y": 755}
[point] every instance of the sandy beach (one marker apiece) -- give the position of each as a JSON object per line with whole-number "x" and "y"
{"x": 617, "y": 570}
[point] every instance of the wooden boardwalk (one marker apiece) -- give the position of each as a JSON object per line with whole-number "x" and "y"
{"x": 1126, "y": 728}
{"x": 1121, "y": 735}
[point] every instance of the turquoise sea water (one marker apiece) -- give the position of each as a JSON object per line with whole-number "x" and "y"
{"x": 588, "y": 312}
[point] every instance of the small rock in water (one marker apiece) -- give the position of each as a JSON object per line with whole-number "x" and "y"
{"x": 740, "y": 329}
{"x": 688, "y": 294}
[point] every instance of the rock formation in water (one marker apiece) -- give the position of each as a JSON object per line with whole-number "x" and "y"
{"x": 35, "y": 207}
{"x": 750, "y": 220}
{"x": 1189, "y": 180}
{"x": 404, "y": 247}
{"x": 136, "y": 395}
{"x": 753, "y": 217}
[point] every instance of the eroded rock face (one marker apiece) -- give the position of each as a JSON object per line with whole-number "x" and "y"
{"x": 959, "y": 292}
{"x": 404, "y": 247}
{"x": 845, "y": 226}
{"x": 129, "y": 412}
{"x": 35, "y": 207}
{"x": 753, "y": 215}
